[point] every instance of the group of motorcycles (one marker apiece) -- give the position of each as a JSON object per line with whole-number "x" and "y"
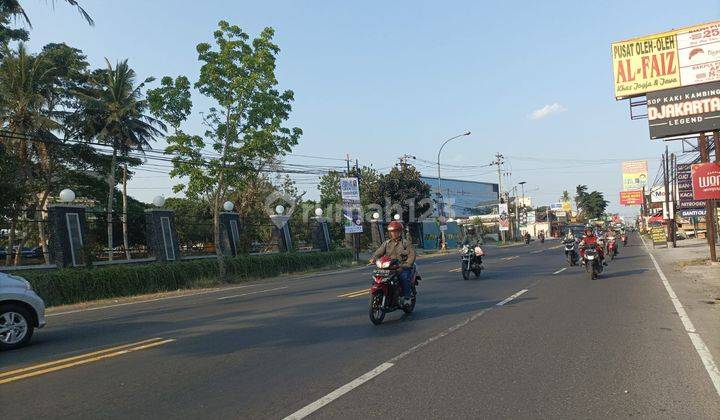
{"x": 590, "y": 256}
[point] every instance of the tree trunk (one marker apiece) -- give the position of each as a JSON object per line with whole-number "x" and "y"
{"x": 39, "y": 214}
{"x": 21, "y": 245}
{"x": 111, "y": 193}
{"x": 216, "y": 237}
{"x": 126, "y": 242}
{"x": 11, "y": 241}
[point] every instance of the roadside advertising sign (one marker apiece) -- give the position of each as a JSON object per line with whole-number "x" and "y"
{"x": 352, "y": 211}
{"x": 657, "y": 194}
{"x": 631, "y": 198}
{"x": 682, "y": 57}
{"x": 688, "y": 206}
{"x": 504, "y": 216}
{"x": 684, "y": 110}
{"x": 556, "y": 207}
{"x": 658, "y": 235}
{"x": 566, "y": 206}
{"x": 634, "y": 175}
{"x": 706, "y": 181}
{"x": 531, "y": 217}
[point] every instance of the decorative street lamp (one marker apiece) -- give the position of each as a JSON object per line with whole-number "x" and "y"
{"x": 67, "y": 195}
{"x": 228, "y": 206}
{"x": 159, "y": 201}
{"x": 441, "y": 209}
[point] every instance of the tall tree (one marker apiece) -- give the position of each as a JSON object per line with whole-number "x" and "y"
{"x": 14, "y": 8}
{"x": 115, "y": 110}
{"x": 171, "y": 102}
{"x": 565, "y": 197}
{"x": 402, "y": 187}
{"x": 593, "y": 204}
{"x": 246, "y": 125}
{"x": 580, "y": 192}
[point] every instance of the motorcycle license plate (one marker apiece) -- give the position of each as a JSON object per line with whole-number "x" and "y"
{"x": 382, "y": 272}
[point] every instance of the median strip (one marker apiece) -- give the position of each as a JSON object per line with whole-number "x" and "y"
{"x": 53, "y": 366}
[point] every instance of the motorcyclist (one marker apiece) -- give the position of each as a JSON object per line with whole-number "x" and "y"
{"x": 591, "y": 239}
{"x": 471, "y": 236}
{"x": 402, "y": 250}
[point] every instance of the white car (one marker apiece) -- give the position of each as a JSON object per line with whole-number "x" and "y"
{"x": 21, "y": 311}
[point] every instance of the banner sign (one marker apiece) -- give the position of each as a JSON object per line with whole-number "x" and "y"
{"x": 682, "y": 57}
{"x": 692, "y": 213}
{"x": 566, "y": 206}
{"x": 658, "y": 235}
{"x": 684, "y": 110}
{"x": 631, "y": 198}
{"x": 687, "y": 204}
{"x": 657, "y": 194}
{"x": 634, "y": 174}
{"x": 531, "y": 217}
{"x": 706, "y": 181}
{"x": 556, "y": 207}
{"x": 503, "y": 216}
{"x": 352, "y": 212}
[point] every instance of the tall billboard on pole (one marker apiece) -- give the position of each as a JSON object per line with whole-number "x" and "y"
{"x": 671, "y": 59}
{"x": 504, "y": 216}
{"x": 634, "y": 175}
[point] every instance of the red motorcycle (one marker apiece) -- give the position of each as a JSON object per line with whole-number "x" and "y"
{"x": 386, "y": 291}
{"x": 612, "y": 249}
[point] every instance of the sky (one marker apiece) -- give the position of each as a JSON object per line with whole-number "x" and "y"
{"x": 376, "y": 80}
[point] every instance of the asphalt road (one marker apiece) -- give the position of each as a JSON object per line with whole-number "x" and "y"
{"x": 563, "y": 347}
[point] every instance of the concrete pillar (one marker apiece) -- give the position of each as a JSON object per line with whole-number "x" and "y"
{"x": 321, "y": 234}
{"x": 281, "y": 232}
{"x": 230, "y": 229}
{"x": 162, "y": 238}
{"x": 67, "y": 235}
{"x": 377, "y": 231}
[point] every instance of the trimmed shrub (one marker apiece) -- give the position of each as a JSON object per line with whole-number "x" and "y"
{"x": 73, "y": 285}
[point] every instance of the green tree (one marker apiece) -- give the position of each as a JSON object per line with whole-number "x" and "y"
{"x": 580, "y": 193}
{"x": 15, "y": 9}
{"x": 245, "y": 126}
{"x": 171, "y": 101}
{"x": 565, "y": 197}
{"x": 403, "y": 186}
{"x": 593, "y": 205}
{"x": 115, "y": 114}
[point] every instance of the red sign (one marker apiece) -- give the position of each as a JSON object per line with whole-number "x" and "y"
{"x": 631, "y": 198}
{"x": 706, "y": 181}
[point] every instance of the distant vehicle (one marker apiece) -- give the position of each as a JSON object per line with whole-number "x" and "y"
{"x": 21, "y": 311}
{"x": 34, "y": 252}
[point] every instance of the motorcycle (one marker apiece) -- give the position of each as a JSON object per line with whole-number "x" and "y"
{"x": 612, "y": 249}
{"x": 527, "y": 239}
{"x": 542, "y": 238}
{"x": 386, "y": 291}
{"x": 623, "y": 238}
{"x": 471, "y": 261}
{"x": 591, "y": 260}
{"x": 571, "y": 255}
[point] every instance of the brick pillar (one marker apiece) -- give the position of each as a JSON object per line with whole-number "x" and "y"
{"x": 162, "y": 238}
{"x": 321, "y": 234}
{"x": 67, "y": 235}
{"x": 281, "y": 232}
{"x": 230, "y": 229}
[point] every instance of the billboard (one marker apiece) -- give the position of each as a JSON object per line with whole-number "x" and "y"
{"x": 556, "y": 207}
{"x": 706, "y": 181}
{"x": 688, "y": 206}
{"x": 352, "y": 212}
{"x": 634, "y": 175}
{"x": 671, "y": 59}
{"x": 631, "y": 198}
{"x": 504, "y": 217}
{"x": 465, "y": 198}
{"x": 684, "y": 110}
{"x": 350, "y": 189}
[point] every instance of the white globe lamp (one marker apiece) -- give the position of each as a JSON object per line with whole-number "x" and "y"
{"x": 376, "y": 215}
{"x": 279, "y": 209}
{"x": 228, "y": 206}
{"x": 318, "y": 212}
{"x": 67, "y": 195}
{"x": 159, "y": 201}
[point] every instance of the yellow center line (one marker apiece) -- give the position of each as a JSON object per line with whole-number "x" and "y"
{"x": 455, "y": 270}
{"x": 69, "y": 359}
{"x": 82, "y": 359}
{"x": 350, "y": 294}
{"x": 511, "y": 258}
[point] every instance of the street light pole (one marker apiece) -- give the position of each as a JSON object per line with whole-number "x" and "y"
{"x": 441, "y": 209}
{"x": 522, "y": 187}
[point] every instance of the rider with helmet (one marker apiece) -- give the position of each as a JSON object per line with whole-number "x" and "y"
{"x": 591, "y": 239}
{"x": 402, "y": 250}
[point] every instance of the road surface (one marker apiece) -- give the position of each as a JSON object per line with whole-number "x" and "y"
{"x": 530, "y": 338}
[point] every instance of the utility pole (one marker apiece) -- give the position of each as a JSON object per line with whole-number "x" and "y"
{"x": 672, "y": 199}
{"x": 665, "y": 164}
{"x": 402, "y": 160}
{"x": 499, "y": 161}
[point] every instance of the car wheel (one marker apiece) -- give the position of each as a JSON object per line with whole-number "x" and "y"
{"x": 16, "y": 326}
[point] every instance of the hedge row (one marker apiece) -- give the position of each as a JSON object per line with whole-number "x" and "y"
{"x": 73, "y": 285}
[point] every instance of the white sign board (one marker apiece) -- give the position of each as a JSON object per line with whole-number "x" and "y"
{"x": 350, "y": 189}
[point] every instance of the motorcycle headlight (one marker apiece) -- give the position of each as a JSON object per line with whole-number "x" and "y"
{"x": 386, "y": 264}
{"x": 465, "y": 249}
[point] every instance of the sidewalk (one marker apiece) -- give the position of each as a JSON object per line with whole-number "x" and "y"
{"x": 696, "y": 283}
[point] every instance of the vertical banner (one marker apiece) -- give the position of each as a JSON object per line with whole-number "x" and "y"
{"x": 352, "y": 211}
{"x": 504, "y": 217}
{"x": 688, "y": 206}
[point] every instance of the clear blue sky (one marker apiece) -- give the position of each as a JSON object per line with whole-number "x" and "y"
{"x": 380, "y": 79}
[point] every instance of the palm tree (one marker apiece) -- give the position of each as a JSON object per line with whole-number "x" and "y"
{"x": 14, "y": 8}
{"x": 116, "y": 110}
{"x": 26, "y": 88}
{"x": 580, "y": 192}
{"x": 565, "y": 197}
